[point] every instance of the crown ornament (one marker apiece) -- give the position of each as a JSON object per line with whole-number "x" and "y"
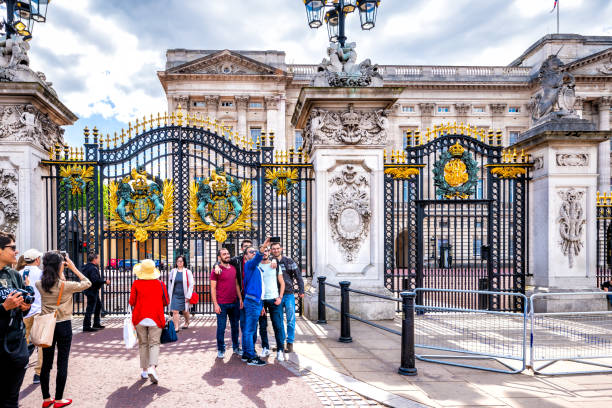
{"x": 456, "y": 150}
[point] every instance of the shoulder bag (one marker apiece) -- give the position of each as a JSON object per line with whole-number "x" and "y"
{"x": 195, "y": 298}
{"x": 168, "y": 334}
{"x": 43, "y": 326}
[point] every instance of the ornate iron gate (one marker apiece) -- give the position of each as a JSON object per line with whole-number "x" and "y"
{"x": 174, "y": 185}
{"x": 456, "y": 217}
{"x": 604, "y": 237}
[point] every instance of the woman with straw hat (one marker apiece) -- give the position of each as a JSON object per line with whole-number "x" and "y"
{"x": 148, "y": 297}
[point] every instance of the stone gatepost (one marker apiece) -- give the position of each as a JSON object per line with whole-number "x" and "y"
{"x": 345, "y": 132}
{"x": 31, "y": 116}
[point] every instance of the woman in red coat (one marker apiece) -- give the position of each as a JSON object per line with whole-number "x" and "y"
{"x": 148, "y": 298}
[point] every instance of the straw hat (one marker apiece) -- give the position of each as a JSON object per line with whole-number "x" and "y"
{"x": 146, "y": 270}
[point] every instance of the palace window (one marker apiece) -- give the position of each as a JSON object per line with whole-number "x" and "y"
{"x": 478, "y": 248}
{"x": 299, "y": 140}
{"x": 513, "y": 136}
{"x": 479, "y": 109}
{"x": 408, "y": 109}
{"x": 443, "y": 109}
{"x": 227, "y": 104}
{"x": 199, "y": 104}
{"x": 255, "y": 105}
{"x": 255, "y": 134}
{"x": 514, "y": 109}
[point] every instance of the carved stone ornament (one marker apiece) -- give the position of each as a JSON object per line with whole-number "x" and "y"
{"x": 571, "y": 223}
{"x": 25, "y": 123}
{"x": 462, "y": 108}
{"x": 538, "y": 163}
{"x": 212, "y": 101}
{"x": 607, "y": 68}
{"x": 556, "y": 97}
{"x": 498, "y": 108}
{"x": 349, "y": 211}
{"x": 9, "y": 211}
{"x": 272, "y": 102}
{"x": 572, "y": 160}
{"x": 182, "y": 101}
{"x": 342, "y": 70}
{"x": 427, "y": 108}
{"x": 15, "y": 63}
{"x": 346, "y": 128}
{"x": 241, "y": 101}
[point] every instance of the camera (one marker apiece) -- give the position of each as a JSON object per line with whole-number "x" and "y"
{"x": 274, "y": 239}
{"x": 27, "y": 295}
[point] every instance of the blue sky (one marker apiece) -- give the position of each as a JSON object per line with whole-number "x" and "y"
{"x": 102, "y": 55}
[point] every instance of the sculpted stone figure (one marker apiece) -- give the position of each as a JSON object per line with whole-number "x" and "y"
{"x": 556, "y": 97}
{"x": 341, "y": 69}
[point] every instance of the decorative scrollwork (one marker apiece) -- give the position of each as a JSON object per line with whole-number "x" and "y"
{"x": 220, "y": 204}
{"x": 402, "y": 172}
{"x": 508, "y": 172}
{"x": 76, "y": 177}
{"x": 282, "y": 180}
{"x": 571, "y": 223}
{"x": 139, "y": 206}
{"x": 456, "y": 173}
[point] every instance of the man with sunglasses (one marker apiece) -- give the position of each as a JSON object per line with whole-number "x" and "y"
{"x": 13, "y": 349}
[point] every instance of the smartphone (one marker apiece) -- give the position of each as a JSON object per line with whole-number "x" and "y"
{"x": 275, "y": 239}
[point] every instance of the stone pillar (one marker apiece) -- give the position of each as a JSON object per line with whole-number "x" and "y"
{"x": 426, "y": 113}
{"x": 462, "y": 110}
{"x": 603, "y": 181}
{"x": 497, "y": 111}
{"x": 182, "y": 101}
{"x": 281, "y": 135}
{"x": 241, "y": 106}
{"x": 212, "y": 105}
{"x": 271, "y": 105}
{"x": 563, "y": 226}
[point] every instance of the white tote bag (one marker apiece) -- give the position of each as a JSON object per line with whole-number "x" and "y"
{"x": 129, "y": 332}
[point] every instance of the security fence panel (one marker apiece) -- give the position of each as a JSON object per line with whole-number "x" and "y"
{"x": 456, "y": 218}
{"x": 175, "y": 185}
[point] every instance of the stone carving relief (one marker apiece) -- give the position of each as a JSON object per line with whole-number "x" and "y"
{"x": 572, "y": 160}
{"x": 571, "y": 223}
{"x": 272, "y": 102}
{"x": 462, "y": 108}
{"x": 348, "y": 127}
{"x": 498, "y": 108}
{"x": 341, "y": 69}
{"x": 241, "y": 101}
{"x": 25, "y": 123}
{"x": 556, "y": 97}
{"x": 15, "y": 63}
{"x": 182, "y": 100}
{"x": 349, "y": 211}
{"x": 9, "y": 212}
{"x": 427, "y": 108}
{"x": 607, "y": 68}
{"x": 538, "y": 163}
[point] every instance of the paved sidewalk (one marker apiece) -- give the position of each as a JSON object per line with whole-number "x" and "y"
{"x": 374, "y": 356}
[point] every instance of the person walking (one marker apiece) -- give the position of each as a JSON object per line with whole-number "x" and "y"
{"x": 56, "y": 296}
{"x": 226, "y": 297}
{"x": 181, "y": 289}
{"x": 148, "y": 296}
{"x": 94, "y": 304}
{"x": 31, "y": 274}
{"x": 291, "y": 275}
{"x": 253, "y": 295}
{"x": 13, "y": 347}
{"x": 274, "y": 285}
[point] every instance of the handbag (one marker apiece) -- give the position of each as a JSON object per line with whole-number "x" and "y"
{"x": 168, "y": 334}
{"x": 43, "y": 326}
{"x": 129, "y": 332}
{"x": 195, "y": 298}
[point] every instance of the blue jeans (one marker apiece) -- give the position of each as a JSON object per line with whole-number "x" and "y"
{"x": 276, "y": 315}
{"x": 288, "y": 306}
{"x": 243, "y": 328}
{"x": 610, "y": 299}
{"x": 252, "y": 310}
{"x": 228, "y": 310}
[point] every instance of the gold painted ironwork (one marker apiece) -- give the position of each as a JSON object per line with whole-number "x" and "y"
{"x": 76, "y": 176}
{"x": 402, "y": 172}
{"x": 455, "y": 173}
{"x": 282, "y": 180}
{"x": 505, "y": 172}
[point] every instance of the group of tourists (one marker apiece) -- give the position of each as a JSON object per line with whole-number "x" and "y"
{"x": 245, "y": 288}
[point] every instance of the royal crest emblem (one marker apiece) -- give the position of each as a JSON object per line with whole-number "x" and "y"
{"x": 140, "y": 205}
{"x": 456, "y": 173}
{"x": 282, "y": 180}
{"x": 220, "y": 204}
{"x": 76, "y": 177}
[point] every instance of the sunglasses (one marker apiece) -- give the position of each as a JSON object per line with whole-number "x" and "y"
{"x": 252, "y": 251}
{"x": 13, "y": 247}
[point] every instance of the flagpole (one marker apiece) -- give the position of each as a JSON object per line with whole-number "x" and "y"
{"x": 558, "y": 1}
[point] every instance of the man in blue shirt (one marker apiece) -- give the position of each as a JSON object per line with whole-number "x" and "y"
{"x": 274, "y": 286}
{"x": 253, "y": 294}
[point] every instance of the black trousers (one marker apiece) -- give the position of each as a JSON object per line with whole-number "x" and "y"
{"x": 11, "y": 377}
{"x": 94, "y": 305}
{"x": 62, "y": 338}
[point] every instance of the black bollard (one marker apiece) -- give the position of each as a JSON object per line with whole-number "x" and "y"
{"x": 321, "y": 306}
{"x": 407, "y": 366}
{"x": 345, "y": 320}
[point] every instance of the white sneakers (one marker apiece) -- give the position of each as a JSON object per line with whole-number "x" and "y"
{"x": 220, "y": 354}
{"x": 144, "y": 375}
{"x": 152, "y": 375}
{"x": 265, "y": 352}
{"x": 280, "y": 356}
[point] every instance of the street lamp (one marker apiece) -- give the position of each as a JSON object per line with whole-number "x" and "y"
{"x": 335, "y": 16}
{"x": 21, "y": 15}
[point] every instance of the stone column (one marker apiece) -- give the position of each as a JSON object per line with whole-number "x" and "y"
{"x": 212, "y": 105}
{"x": 603, "y": 181}
{"x": 426, "y": 113}
{"x": 271, "y": 105}
{"x": 182, "y": 101}
{"x": 563, "y": 226}
{"x": 241, "y": 106}
{"x": 281, "y": 135}
{"x": 497, "y": 111}
{"x": 462, "y": 109}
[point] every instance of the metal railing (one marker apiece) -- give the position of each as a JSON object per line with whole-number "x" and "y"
{"x": 571, "y": 337}
{"x": 473, "y": 334}
{"x": 407, "y": 364}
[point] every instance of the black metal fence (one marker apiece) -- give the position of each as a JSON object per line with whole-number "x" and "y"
{"x": 604, "y": 238}
{"x": 83, "y": 200}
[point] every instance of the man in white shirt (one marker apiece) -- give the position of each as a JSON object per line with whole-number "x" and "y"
{"x": 31, "y": 274}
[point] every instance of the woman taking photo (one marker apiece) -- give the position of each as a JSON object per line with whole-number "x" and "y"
{"x": 56, "y": 296}
{"x": 148, "y": 297}
{"x": 181, "y": 289}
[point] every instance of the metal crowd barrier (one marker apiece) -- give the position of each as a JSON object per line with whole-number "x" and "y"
{"x": 472, "y": 334}
{"x": 407, "y": 365}
{"x": 577, "y": 337}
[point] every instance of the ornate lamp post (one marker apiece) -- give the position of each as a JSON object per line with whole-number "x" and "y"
{"x": 337, "y": 10}
{"x": 21, "y": 15}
